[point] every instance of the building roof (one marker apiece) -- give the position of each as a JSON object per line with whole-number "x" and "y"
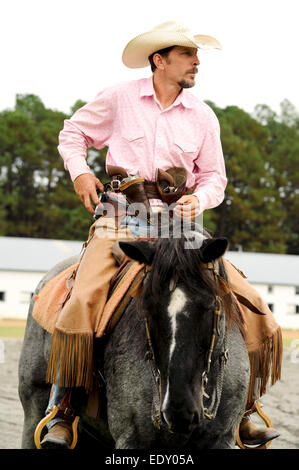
{"x": 267, "y": 268}
{"x": 34, "y": 254}
{"x": 40, "y": 255}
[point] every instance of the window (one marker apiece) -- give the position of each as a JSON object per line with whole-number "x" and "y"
{"x": 270, "y": 289}
{"x": 271, "y": 307}
{"x": 2, "y": 296}
{"x": 25, "y": 297}
{"x": 293, "y": 309}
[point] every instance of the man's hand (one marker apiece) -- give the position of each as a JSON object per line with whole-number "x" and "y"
{"x": 187, "y": 207}
{"x": 86, "y": 186}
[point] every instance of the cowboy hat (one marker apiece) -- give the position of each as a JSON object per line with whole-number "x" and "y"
{"x": 171, "y": 33}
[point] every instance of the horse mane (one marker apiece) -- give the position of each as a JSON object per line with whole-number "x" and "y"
{"x": 173, "y": 261}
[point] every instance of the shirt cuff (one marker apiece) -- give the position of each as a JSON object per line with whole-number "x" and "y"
{"x": 77, "y": 166}
{"x": 201, "y": 196}
{"x": 209, "y": 197}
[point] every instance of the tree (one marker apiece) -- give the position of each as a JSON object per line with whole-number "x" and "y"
{"x": 260, "y": 208}
{"x": 37, "y": 197}
{"x": 283, "y": 160}
{"x": 19, "y": 150}
{"x": 251, "y": 211}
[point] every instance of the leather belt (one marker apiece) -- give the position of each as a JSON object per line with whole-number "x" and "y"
{"x": 150, "y": 187}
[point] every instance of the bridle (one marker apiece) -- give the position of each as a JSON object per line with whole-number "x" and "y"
{"x": 207, "y": 411}
{"x": 211, "y": 411}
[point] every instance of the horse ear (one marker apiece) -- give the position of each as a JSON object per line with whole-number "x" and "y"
{"x": 141, "y": 251}
{"x": 213, "y": 248}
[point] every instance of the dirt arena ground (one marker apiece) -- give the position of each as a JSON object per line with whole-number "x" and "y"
{"x": 281, "y": 403}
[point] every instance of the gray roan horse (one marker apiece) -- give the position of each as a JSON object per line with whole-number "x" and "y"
{"x": 169, "y": 382}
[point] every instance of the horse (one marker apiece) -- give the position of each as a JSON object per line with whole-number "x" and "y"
{"x": 175, "y": 368}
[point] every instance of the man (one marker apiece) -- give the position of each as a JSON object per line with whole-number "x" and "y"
{"x": 148, "y": 124}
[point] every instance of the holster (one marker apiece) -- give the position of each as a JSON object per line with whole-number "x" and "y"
{"x": 131, "y": 186}
{"x": 171, "y": 184}
{"x": 135, "y": 192}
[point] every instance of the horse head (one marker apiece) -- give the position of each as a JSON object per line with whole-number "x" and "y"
{"x": 179, "y": 299}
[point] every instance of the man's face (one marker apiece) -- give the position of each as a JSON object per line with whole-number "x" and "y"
{"x": 181, "y": 66}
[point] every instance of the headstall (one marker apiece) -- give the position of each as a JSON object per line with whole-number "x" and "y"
{"x": 207, "y": 412}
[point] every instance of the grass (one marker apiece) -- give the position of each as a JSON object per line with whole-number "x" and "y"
{"x": 16, "y": 329}
{"x": 12, "y": 332}
{"x": 288, "y": 337}
{"x": 12, "y": 328}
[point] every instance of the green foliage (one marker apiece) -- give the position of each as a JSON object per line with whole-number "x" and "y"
{"x": 283, "y": 164}
{"x": 261, "y": 152}
{"x": 256, "y": 213}
{"x": 79, "y": 104}
{"x": 37, "y": 198}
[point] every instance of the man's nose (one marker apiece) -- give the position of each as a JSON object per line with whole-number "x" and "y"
{"x": 196, "y": 60}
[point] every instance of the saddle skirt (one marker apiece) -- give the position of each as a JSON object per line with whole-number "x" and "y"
{"x": 123, "y": 286}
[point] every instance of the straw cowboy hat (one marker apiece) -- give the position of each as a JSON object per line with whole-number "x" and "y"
{"x": 171, "y": 33}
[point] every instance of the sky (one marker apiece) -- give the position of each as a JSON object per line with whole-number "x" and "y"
{"x": 65, "y": 50}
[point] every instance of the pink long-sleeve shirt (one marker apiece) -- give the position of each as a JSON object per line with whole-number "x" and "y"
{"x": 142, "y": 136}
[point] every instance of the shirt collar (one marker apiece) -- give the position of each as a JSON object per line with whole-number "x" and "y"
{"x": 184, "y": 98}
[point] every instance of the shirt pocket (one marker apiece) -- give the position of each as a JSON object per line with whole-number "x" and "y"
{"x": 185, "y": 148}
{"x": 132, "y": 150}
{"x": 133, "y": 137}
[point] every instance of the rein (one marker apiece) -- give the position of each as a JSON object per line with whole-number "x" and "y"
{"x": 150, "y": 357}
{"x": 207, "y": 412}
{"x": 210, "y": 413}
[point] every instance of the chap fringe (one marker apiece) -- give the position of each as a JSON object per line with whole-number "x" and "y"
{"x": 265, "y": 363}
{"x": 71, "y": 356}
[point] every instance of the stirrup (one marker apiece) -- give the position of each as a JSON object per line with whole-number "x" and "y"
{"x": 268, "y": 424}
{"x": 48, "y": 418}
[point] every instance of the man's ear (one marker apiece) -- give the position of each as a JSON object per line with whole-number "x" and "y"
{"x": 212, "y": 249}
{"x": 158, "y": 61}
{"x": 141, "y": 251}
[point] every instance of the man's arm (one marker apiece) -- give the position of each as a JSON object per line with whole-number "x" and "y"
{"x": 90, "y": 126}
{"x": 209, "y": 169}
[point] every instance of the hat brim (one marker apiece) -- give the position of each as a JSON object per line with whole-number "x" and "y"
{"x": 137, "y": 51}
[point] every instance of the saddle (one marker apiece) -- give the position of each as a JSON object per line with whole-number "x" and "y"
{"x": 123, "y": 286}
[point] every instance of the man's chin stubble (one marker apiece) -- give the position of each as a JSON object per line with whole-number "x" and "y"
{"x": 186, "y": 84}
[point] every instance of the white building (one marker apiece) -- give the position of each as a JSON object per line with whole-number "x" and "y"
{"x": 24, "y": 261}
{"x": 276, "y": 278}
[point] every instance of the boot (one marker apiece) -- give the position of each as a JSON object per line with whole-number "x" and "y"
{"x": 253, "y": 436}
{"x": 60, "y": 433}
{"x": 60, "y": 436}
